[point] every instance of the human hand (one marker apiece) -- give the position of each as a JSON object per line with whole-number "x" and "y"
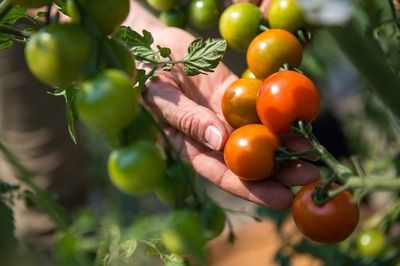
{"x": 189, "y": 108}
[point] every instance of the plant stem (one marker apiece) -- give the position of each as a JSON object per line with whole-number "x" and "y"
{"x": 44, "y": 199}
{"x": 5, "y": 7}
{"x": 283, "y": 155}
{"x": 11, "y": 31}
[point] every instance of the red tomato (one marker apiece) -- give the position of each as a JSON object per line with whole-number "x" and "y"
{"x": 270, "y": 50}
{"x": 239, "y": 102}
{"x": 285, "y": 97}
{"x": 328, "y": 223}
{"x": 250, "y": 150}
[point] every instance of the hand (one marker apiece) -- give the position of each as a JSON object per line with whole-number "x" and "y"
{"x": 190, "y": 109}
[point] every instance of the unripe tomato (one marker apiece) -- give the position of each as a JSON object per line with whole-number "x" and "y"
{"x": 31, "y": 3}
{"x": 213, "y": 219}
{"x": 247, "y": 74}
{"x": 137, "y": 168}
{"x": 371, "y": 243}
{"x": 182, "y": 233}
{"x": 174, "y": 18}
{"x": 107, "y": 16}
{"x": 286, "y": 15}
{"x": 123, "y": 59}
{"x": 107, "y": 102}
{"x": 250, "y": 152}
{"x": 239, "y": 102}
{"x": 162, "y": 5}
{"x": 203, "y": 14}
{"x": 239, "y": 24}
{"x": 270, "y": 50}
{"x": 285, "y": 97}
{"x": 328, "y": 223}
{"x": 58, "y": 54}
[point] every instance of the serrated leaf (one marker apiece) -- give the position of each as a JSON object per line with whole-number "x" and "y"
{"x": 140, "y": 45}
{"x": 13, "y": 15}
{"x": 203, "y": 56}
{"x": 62, "y": 4}
{"x": 5, "y": 42}
{"x": 127, "y": 248}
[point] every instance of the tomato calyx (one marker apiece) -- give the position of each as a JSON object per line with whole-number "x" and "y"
{"x": 287, "y": 66}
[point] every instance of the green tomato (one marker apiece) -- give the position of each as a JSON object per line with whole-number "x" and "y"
{"x": 213, "y": 219}
{"x": 371, "y": 243}
{"x": 58, "y": 54}
{"x": 107, "y": 102}
{"x": 239, "y": 24}
{"x": 248, "y": 74}
{"x": 285, "y": 14}
{"x": 182, "y": 234}
{"x": 123, "y": 59}
{"x": 107, "y": 16}
{"x": 142, "y": 128}
{"x": 138, "y": 168}
{"x": 174, "y": 18}
{"x": 31, "y": 3}
{"x": 162, "y": 5}
{"x": 203, "y": 14}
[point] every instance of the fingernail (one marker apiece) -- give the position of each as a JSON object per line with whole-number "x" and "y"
{"x": 213, "y": 138}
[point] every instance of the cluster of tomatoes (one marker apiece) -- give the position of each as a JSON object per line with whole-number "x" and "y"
{"x": 268, "y": 103}
{"x": 202, "y": 14}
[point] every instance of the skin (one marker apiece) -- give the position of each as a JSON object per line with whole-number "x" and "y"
{"x": 198, "y": 100}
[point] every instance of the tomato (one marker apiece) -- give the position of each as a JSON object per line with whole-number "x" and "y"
{"x": 371, "y": 243}
{"x": 247, "y": 74}
{"x": 174, "y": 18}
{"x": 213, "y": 219}
{"x": 123, "y": 59}
{"x": 239, "y": 24}
{"x": 328, "y": 223}
{"x": 107, "y": 102}
{"x": 137, "y": 168}
{"x": 203, "y": 14}
{"x": 58, "y": 54}
{"x": 31, "y": 3}
{"x": 285, "y": 14}
{"x": 249, "y": 152}
{"x": 182, "y": 233}
{"x": 239, "y": 102}
{"x": 162, "y": 5}
{"x": 107, "y": 16}
{"x": 270, "y": 50}
{"x": 285, "y": 97}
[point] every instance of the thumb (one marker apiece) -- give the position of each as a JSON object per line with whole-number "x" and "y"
{"x": 192, "y": 119}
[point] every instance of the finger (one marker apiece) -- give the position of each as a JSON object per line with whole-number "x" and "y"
{"x": 296, "y": 173}
{"x": 296, "y": 143}
{"x": 265, "y": 6}
{"x": 195, "y": 121}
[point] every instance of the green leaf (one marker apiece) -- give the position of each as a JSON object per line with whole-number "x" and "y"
{"x": 62, "y": 4}
{"x": 5, "y": 42}
{"x": 6, "y": 187}
{"x": 140, "y": 45}
{"x": 203, "y": 56}
{"x": 15, "y": 13}
{"x": 127, "y": 248}
{"x": 278, "y": 216}
{"x": 164, "y": 51}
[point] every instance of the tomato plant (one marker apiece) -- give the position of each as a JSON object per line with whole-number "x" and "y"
{"x": 286, "y": 15}
{"x": 239, "y": 24}
{"x": 249, "y": 152}
{"x": 32, "y": 3}
{"x": 162, "y": 5}
{"x": 203, "y": 13}
{"x": 371, "y": 243}
{"x": 137, "y": 168}
{"x": 239, "y": 102}
{"x": 330, "y": 222}
{"x": 285, "y": 97}
{"x": 107, "y": 102}
{"x": 270, "y": 50}
{"x": 213, "y": 220}
{"x": 119, "y": 57}
{"x": 59, "y": 54}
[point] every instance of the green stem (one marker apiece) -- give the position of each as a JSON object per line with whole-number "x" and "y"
{"x": 43, "y": 198}
{"x": 263, "y": 28}
{"x": 283, "y": 154}
{"x": 5, "y": 7}
{"x": 14, "y": 32}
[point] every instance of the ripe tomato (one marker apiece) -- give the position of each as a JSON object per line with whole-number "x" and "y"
{"x": 182, "y": 233}
{"x": 285, "y": 97}
{"x": 107, "y": 16}
{"x": 247, "y": 74}
{"x": 203, "y": 14}
{"x": 31, "y": 3}
{"x": 58, "y": 54}
{"x": 250, "y": 150}
{"x": 328, "y": 223}
{"x": 107, "y": 102}
{"x": 123, "y": 59}
{"x": 213, "y": 219}
{"x": 239, "y": 24}
{"x": 137, "y": 168}
{"x": 162, "y": 5}
{"x": 285, "y": 14}
{"x": 239, "y": 102}
{"x": 371, "y": 243}
{"x": 174, "y": 18}
{"x": 270, "y": 50}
